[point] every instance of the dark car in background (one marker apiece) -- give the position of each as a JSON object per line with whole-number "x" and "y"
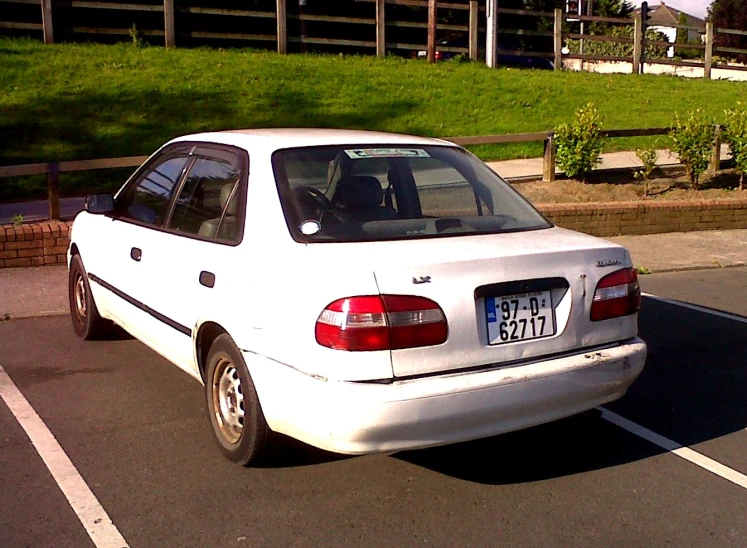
{"x": 454, "y": 45}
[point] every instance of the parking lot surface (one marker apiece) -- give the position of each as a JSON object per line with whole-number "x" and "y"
{"x": 134, "y": 428}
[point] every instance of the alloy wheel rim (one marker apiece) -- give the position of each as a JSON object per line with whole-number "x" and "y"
{"x": 228, "y": 401}
{"x": 80, "y": 297}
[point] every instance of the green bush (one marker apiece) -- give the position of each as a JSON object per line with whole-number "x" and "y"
{"x": 735, "y": 134}
{"x": 618, "y": 49}
{"x": 580, "y": 143}
{"x": 648, "y": 157}
{"x": 692, "y": 139}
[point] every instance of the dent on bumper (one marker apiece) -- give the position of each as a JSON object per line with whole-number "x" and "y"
{"x": 356, "y": 418}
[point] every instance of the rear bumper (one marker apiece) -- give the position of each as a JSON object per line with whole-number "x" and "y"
{"x": 355, "y": 418}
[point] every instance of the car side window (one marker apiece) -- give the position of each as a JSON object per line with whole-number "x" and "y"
{"x": 147, "y": 199}
{"x": 208, "y": 203}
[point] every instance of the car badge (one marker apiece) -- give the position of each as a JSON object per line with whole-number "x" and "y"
{"x": 421, "y": 280}
{"x": 608, "y": 262}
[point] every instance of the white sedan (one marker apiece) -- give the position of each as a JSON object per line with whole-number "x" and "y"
{"x": 362, "y": 292}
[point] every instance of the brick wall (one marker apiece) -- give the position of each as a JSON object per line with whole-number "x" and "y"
{"x": 44, "y": 243}
{"x": 34, "y": 244}
{"x": 614, "y": 219}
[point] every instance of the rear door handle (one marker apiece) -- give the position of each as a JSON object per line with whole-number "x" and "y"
{"x": 207, "y": 279}
{"x": 136, "y": 254}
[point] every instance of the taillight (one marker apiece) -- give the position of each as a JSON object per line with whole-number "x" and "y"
{"x": 381, "y": 322}
{"x": 617, "y": 294}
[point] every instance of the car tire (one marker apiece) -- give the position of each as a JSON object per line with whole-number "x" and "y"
{"x": 233, "y": 407}
{"x": 87, "y": 322}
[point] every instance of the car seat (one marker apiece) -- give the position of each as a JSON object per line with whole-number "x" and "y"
{"x": 359, "y": 199}
{"x": 227, "y": 229}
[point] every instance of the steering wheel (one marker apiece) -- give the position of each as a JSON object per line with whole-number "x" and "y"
{"x": 312, "y": 199}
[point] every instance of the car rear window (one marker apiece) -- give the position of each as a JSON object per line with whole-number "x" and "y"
{"x": 384, "y": 192}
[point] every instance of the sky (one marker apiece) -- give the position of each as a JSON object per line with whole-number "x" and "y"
{"x": 693, "y": 7}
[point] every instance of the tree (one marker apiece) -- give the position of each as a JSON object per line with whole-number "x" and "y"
{"x": 612, "y": 8}
{"x": 730, "y": 14}
{"x": 682, "y": 38}
{"x": 682, "y": 33}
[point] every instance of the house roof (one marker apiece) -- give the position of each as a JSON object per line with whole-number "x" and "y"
{"x": 666, "y": 16}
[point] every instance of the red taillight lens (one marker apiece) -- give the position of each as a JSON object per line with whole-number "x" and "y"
{"x": 381, "y": 322}
{"x": 617, "y": 294}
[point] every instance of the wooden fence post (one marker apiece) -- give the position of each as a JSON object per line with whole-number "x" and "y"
{"x": 168, "y": 22}
{"x": 557, "y": 34}
{"x": 431, "y": 53}
{"x": 46, "y": 7}
{"x": 281, "y": 16}
{"x": 53, "y": 189}
{"x": 708, "y": 49}
{"x": 381, "y": 28}
{"x": 473, "y": 26}
{"x": 637, "y": 43}
{"x": 548, "y": 160}
{"x": 715, "y": 163}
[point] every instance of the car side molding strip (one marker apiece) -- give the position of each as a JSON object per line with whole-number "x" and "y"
{"x": 142, "y": 306}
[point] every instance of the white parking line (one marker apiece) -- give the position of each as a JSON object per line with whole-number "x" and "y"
{"x": 91, "y": 514}
{"x": 711, "y": 311}
{"x": 674, "y": 447}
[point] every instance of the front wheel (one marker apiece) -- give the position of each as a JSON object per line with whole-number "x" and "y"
{"x": 87, "y": 322}
{"x": 233, "y": 406}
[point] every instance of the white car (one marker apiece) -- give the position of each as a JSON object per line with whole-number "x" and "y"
{"x": 362, "y": 292}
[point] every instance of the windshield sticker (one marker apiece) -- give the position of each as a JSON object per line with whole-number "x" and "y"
{"x": 361, "y": 153}
{"x": 309, "y": 228}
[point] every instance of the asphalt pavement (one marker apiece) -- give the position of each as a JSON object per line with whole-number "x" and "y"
{"x": 134, "y": 428}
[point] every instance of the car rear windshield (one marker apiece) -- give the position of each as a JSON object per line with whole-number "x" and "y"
{"x": 349, "y": 194}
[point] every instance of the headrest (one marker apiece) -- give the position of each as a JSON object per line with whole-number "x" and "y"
{"x": 360, "y": 191}
{"x": 225, "y": 194}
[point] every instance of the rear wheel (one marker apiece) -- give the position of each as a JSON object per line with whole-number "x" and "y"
{"x": 87, "y": 322}
{"x": 233, "y": 406}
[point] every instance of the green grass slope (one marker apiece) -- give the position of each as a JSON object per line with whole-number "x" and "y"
{"x": 66, "y": 102}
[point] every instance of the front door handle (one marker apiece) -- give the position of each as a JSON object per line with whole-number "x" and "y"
{"x": 207, "y": 279}
{"x": 136, "y": 254}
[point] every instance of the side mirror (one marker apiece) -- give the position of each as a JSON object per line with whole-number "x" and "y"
{"x": 100, "y": 204}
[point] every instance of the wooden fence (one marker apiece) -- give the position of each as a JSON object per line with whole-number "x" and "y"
{"x": 53, "y": 169}
{"x": 375, "y": 21}
{"x": 284, "y": 13}
{"x": 639, "y": 41}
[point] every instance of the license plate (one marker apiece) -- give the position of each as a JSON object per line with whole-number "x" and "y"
{"x": 521, "y": 317}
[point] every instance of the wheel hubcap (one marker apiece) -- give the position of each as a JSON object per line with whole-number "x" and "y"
{"x": 228, "y": 401}
{"x": 80, "y": 296}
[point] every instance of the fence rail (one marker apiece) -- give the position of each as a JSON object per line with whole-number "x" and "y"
{"x": 53, "y": 169}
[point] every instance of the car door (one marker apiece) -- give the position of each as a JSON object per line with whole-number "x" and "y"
{"x": 141, "y": 208}
{"x": 197, "y": 249}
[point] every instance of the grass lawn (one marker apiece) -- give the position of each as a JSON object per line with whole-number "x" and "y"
{"x": 74, "y": 102}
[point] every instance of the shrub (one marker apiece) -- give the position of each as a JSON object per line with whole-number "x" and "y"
{"x": 617, "y": 49}
{"x": 692, "y": 140}
{"x": 580, "y": 143}
{"x": 648, "y": 157}
{"x": 735, "y": 134}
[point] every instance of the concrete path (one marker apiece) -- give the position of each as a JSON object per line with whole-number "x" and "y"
{"x": 28, "y": 292}
{"x": 532, "y": 167}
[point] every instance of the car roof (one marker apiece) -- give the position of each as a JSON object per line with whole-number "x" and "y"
{"x": 271, "y": 139}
